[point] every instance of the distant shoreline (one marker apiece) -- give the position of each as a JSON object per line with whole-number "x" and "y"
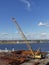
{"x": 22, "y": 41}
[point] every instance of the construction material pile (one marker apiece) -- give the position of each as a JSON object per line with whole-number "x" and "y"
{"x": 17, "y": 57}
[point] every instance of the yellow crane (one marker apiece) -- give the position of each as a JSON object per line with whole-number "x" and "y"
{"x": 25, "y": 38}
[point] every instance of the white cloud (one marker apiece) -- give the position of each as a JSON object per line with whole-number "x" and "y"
{"x": 43, "y": 24}
{"x": 47, "y": 24}
{"x": 28, "y": 4}
{"x": 4, "y": 33}
{"x": 29, "y": 35}
{"x": 9, "y": 36}
{"x": 43, "y": 34}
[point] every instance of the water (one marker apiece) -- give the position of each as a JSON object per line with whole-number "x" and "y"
{"x": 43, "y": 46}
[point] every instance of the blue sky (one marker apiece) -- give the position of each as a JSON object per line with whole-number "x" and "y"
{"x": 31, "y": 15}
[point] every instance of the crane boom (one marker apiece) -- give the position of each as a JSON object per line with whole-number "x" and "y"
{"x": 22, "y": 34}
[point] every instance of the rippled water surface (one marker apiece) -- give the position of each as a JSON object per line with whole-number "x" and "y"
{"x": 43, "y": 46}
